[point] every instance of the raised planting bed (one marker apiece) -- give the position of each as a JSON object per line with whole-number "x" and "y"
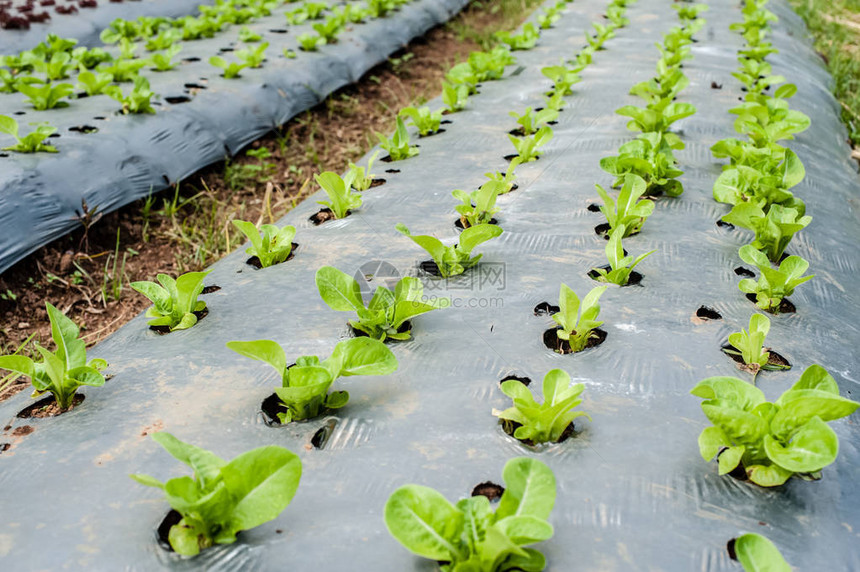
{"x": 631, "y": 489}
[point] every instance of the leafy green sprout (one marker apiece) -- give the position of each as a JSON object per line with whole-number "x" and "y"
{"x": 270, "y": 244}
{"x": 253, "y": 57}
{"x": 530, "y": 121}
{"x": 304, "y": 386}
{"x": 773, "y": 229}
{"x": 44, "y": 95}
{"x": 29, "y": 143}
{"x": 387, "y": 313}
{"x": 771, "y": 442}
{"x": 175, "y": 304}
{"x": 397, "y": 145}
{"x": 577, "y": 319}
{"x": 164, "y": 61}
{"x": 507, "y": 178}
{"x": 224, "y": 498}
{"x": 309, "y": 42}
{"x": 478, "y": 207}
{"x": 471, "y": 535}
{"x": 249, "y": 36}
{"x": 528, "y": 147}
{"x": 748, "y": 346}
{"x": 628, "y": 211}
{"x": 455, "y": 97}
{"x": 757, "y": 554}
{"x": 620, "y": 266}
{"x": 456, "y": 259}
{"x": 62, "y": 371}
{"x": 138, "y": 100}
{"x": 342, "y": 199}
{"x": 542, "y": 422}
{"x": 230, "y": 70}
{"x": 427, "y": 122}
{"x": 525, "y": 40}
{"x": 94, "y": 83}
{"x": 361, "y": 178}
{"x": 773, "y": 285}
{"x": 563, "y": 79}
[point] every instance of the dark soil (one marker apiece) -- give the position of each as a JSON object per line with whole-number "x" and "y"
{"x": 270, "y": 407}
{"x": 163, "y": 530}
{"x": 775, "y": 361}
{"x": 706, "y": 313}
{"x": 404, "y": 327}
{"x": 635, "y": 278}
{"x": 785, "y": 305}
{"x": 488, "y": 489}
{"x": 459, "y": 224}
{"x": 745, "y": 272}
{"x": 546, "y": 309}
{"x": 47, "y": 407}
{"x": 510, "y": 427}
{"x": 524, "y": 380}
{"x": 553, "y": 342}
{"x": 323, "y": 215}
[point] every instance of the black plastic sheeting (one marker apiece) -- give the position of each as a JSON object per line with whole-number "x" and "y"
{"x": 634, "y": 494}
{"x": 201, "y": 119}
{"x": 88, "y": 23}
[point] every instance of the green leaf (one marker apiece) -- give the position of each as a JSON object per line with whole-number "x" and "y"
{"x": 711, "y": 441}
{"x": 529, "y": 489}
{"x": 147, "y": 480}
{"x": 475, "y": 235}
{"x": 745, "y": 395}
{"x": 810, "y": 449}
{"x": 768, "y": 475}
{"x": 730, "y": 458}
{"x": 424, "y": 522}
{"x": 70, "y": 349}
{"x": 758, "y": 554}
{"x": 364, "y": 356}
{"x": 265, "y": 351}
{"x": 338, "y": 290}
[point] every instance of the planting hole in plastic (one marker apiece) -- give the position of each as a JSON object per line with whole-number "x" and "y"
{"x": 323, "y": 215}
{"x": 164, "y": 330}
{"x": 706, "y": 313}
{"x": 323, "y": 434}
{"x": 635, "y": 278}
{"x": 546, "y": 309}
{"x": 488, "y": 489}
{"x": 47, "y": 407}
{"x": 210, "y": 289}
{"x": 173, "y": 100}
{"x": 746, "y": 273}
{"x": 404, "y": 327}
{"x": 255, "y": 262}
{"x": 85, "y": 129}
{"x": 726, "y": 225}
{"x": 775, "y": 361}
{"x": 458, "y": 223}
{"x": 522, "y": 379}
{"x": 560, "y": 346}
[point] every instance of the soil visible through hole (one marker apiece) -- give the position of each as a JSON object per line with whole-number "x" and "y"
{"x": 47, "y": 407}
{"x": 558, "y": 345}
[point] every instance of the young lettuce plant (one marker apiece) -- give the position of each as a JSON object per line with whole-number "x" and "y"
{"x": 628, "y": 211}
{"x": 138, "y": 99}
{"x": 530, "y": 121}
{"x": 542, "y": 422}
{"x": 175, "y": 304}
{"x": 342, "y": 199}
{"x": 527, "y": 147}
{"x": 620, "y": 266}
{"x": 309, "y": 42}
{"x": 773, "y": 230}
{"x": 398, "y": 145}
{"x": 771, "y": 442}
{"x": 271, "y": 245}
{"x": 478, "y": 207}
{"x": 94, "y": 83}
{"x": 63, "y": 371}
{"x": 456, "y": 259}
{"x": 422, "y": 118}
{"x": 470, "y": 536}
{"x": 650, "y": 157}
{"x": 577, "y": 319}
{"x": 253, "y": 57}
{"x": 224, "y": 498}
{"x": 773, "y": 284}
{"x": 386, "y": 314}
{"x": 29, "y": 143}
{"x": 563, "y": 78}
{"x": 43, "y": 95}
{"x": 507, "y": 178}
{"x": 525, "y": 40}
{"x": 230, "y": 69}
{"x": 304, "y": 390}
{"x": 649, "y": 120}
{"x": 361, "y": 178}
{"x": 455, "y": 97}
{"x": 757, "y": 554}
{"x": 164, "y": 61}
{"x": 748, "y": 345}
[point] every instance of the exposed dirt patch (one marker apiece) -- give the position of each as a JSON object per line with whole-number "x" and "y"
{"x": 48, "y": 408}
{"x": 488, "y": 489}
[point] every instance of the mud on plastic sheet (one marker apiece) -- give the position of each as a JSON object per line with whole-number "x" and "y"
{"x": 86, "y": 25}
{"x": 201, "y": 118}
{"x": 634, "y": 494}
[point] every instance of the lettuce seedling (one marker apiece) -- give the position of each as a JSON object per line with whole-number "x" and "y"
{"x": 361, "y": 178}
{"x": 456, "y": 259}
{"x": 43, "y": 95}
{"x": 398, "y": 145}
{"x": 90, "y": 58}
{"x": 562, "y": 78}
{"x": 660, "y": 91}
{"x": 455, "y": 97}
{"x": 271, "y": 245}
{"x": 138, "y": 99}
{"x": 94, "y": 83}
{"x": 304, "y": 390}
{"x": 757, "y": 554}
{"x": 554, "y": 101}
{"x": 342, "y": 199}
{"x": 62, "y": 371}
{"x": 470, "y": 536}
{"x": 647, "y": 120}
{"x": 530, "y": 121}
{"x": 309, "y": 42}
{"x": 546, "y": 20}
{"x": 253, "y": 57}
{"x": 490, "y": 65}
{"x": 386, "y": 313}
{"x": 124, "y": 70}
{"x": 620, "y": 266}
{"x": 478, "y": 207}
{"x": 527, "y": 147}
{"x": 224, "y": 498}
{"x": 543, "y": 422}
{"x": 249, "y": 36}
{"x": 773, "y": 284}
{"x": 164, "y": 61}
{"x": 330, "y": 28}
{"x": 507, "y": 178}
{"x": 422, "y": 118}
{"x": 577, "y": 320}
{"x": 748, "y": 345}
{"x": 770, "y": 122}
{"x": 628, "y": 210}
{"x": 230, "y": 69}
{"x": 773, "y": 231}
{"x": 175, "y": 301}
{"x": 31, "y": 142}
{"x": 650, "y": 157}
{"x": 741, "y": 184}
{"x": 772, "y": 442}
{"x": 525, "y": 40}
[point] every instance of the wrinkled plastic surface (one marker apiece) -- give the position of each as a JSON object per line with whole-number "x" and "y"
{"x": 88, "y": 23}
{"x": 201, "y": 118}
{"x": 634, "y": 494}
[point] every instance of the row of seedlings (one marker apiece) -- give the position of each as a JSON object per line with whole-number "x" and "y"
{"x": 753, "y": 439}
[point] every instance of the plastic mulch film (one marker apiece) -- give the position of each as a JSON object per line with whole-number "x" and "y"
{"x": 109, "y": 160}
{"x": 634, "y": 493}
{"x": 88, "y": 23}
